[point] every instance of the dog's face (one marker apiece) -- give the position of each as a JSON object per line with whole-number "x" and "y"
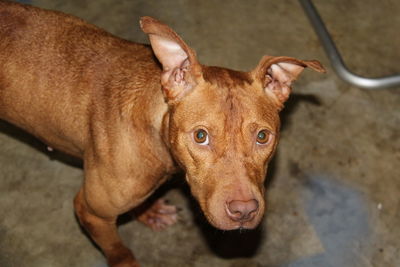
{"x": 223, "y": 134}
{"x": 223, "y": 125}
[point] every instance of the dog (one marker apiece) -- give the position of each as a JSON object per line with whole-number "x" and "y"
{"x": 137, "y": 114}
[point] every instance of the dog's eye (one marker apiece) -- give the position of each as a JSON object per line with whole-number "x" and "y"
{"x": 263, "y": 137}
{"x": 201, "y": 137}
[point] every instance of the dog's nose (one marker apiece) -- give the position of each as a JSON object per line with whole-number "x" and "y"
{"x": 242, "y": 211}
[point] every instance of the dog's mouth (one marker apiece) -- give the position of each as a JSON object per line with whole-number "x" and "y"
{"x": 226, "y": 224}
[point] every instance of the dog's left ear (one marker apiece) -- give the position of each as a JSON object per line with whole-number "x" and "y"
{"x": 180, "y": 66}
{"x": 278, "y": 73}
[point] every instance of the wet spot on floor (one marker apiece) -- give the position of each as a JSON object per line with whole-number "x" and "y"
{"x": 339, "y": 216}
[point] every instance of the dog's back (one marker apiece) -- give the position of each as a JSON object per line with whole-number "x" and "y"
{"x": 56, "y": 64}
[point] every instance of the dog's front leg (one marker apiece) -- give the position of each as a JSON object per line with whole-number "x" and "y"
{"x": 113, "y": 187}
{"x": 104, "y": 232}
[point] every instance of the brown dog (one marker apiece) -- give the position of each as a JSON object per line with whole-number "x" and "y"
{"x": 95, "y": 96}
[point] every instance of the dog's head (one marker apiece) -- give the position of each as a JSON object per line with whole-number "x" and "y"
{"x": 223, "y": 124}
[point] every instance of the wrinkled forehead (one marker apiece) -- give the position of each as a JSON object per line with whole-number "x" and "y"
{"x": 228, "y": 98}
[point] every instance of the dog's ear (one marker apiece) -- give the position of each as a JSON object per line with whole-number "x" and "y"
{"x": 180, "y": 66}
{"x": 278, "y": 73}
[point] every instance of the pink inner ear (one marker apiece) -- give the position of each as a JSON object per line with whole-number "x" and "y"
{"x": 280, "y": 90}
{"x": 285, "y": 73}
{"x": 175, "y": 81}
{"x": 176, "y": 75}
{"x": 279, "y": 78}
{"x": 169, "y": 52}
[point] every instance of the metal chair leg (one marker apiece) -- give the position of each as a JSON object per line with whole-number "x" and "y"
{"x": 336, "y": 60}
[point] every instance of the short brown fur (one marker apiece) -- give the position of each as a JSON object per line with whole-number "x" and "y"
{"x": 133, "y": 119}
{"x": 225, "y": 77}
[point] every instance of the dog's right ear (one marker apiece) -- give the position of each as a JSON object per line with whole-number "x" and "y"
{"x": 180, "y": 66}
{"x": 278, "y": 73}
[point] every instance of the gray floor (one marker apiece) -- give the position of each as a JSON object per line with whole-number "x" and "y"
{"x": 334, "y": 185}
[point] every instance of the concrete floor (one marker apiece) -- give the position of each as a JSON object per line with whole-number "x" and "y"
{"x": 334, "y": 184}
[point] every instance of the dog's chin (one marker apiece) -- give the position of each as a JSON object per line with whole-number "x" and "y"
{"x": 224, "y": 223}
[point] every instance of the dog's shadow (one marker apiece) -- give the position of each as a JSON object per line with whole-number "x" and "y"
{"x": 292, "y": 103}
{"x": 28, "y": 139}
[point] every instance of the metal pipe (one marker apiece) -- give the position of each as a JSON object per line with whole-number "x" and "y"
{"x": 336, "y": 60}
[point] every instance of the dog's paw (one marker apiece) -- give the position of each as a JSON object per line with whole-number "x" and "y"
{"x": 159, "y": 215}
